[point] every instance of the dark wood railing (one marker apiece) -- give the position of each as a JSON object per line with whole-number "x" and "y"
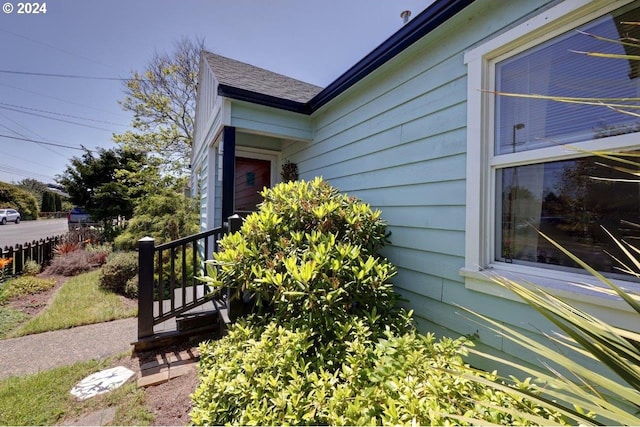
{"x": 40, "y": 251}
{"x": 167, "y": 276}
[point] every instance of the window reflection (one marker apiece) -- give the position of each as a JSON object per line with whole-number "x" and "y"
{"x": 569, "y": 201}
{"x": 555, "y": 69}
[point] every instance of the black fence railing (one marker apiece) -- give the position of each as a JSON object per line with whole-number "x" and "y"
{"x": 41, "y": 251}
{"x": 167, "y": 276}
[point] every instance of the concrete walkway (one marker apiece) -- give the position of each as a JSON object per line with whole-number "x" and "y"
{"x": 40, "y": 352}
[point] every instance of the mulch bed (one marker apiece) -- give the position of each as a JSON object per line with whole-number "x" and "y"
{"x": 32, "y": 305}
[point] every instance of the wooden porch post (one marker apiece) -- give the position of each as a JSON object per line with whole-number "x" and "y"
{"x": 228, "y": 170}
{"x": 236, "y": 307}
{"x": 146, "y": 247}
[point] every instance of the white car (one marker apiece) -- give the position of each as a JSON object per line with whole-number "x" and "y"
{"x": 9, "y": 215}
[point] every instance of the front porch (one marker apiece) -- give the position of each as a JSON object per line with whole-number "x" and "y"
{"x": 173, "y": 306}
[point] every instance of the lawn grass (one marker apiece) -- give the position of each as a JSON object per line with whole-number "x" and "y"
{"x": 9, "y": 319}
{"x": 45, "y": 399}
{"x": 80, "y": 301}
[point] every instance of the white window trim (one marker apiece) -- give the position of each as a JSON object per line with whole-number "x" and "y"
{"x": 480, "y": 183}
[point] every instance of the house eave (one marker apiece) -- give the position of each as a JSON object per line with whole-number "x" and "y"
{"x": 262, "y": 99}
{"x": 430, "y": 19}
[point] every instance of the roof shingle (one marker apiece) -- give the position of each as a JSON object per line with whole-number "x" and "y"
{"x": 231, "y": 72}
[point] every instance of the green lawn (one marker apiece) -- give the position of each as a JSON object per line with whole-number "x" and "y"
{"x": 80, "y": 301}
{"x": 9, "y": 319}
{"x": 44, "y": 398}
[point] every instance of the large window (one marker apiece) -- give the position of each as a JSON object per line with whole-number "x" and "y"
{"x": 529, "y": 166}
{"x": 571, "y": 201}
{"x": 559, "y": 68}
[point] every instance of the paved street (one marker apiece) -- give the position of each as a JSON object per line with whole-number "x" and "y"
{"x": 27, "y": 231}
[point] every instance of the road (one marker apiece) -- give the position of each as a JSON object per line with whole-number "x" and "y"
{"x": 27, "y": 231}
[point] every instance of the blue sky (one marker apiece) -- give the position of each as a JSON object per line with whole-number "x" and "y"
{"x": 314, "y": 41}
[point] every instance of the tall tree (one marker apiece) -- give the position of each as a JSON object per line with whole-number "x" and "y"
{"x": 35, "y": 187}
{"x": 57, "y": 202}
{"x": 162, "y": 99}
{"x": 48, "y": 202}
{"x": 102, "y": 182}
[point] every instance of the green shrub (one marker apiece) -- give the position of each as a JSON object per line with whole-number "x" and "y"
{"x": 165, "y": 216}
{"x": 326, "y": 344}
{"x": 25, "y": 285}
{"x": 264, "y": 376}
{"x": 12, "y": 196}
{"x": 31, "y": 268}
{"x": 119, "y": 269}
{"x": 308, "y": 259}
{"x": 131, "y": 287}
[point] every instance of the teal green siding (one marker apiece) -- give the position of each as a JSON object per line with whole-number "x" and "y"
{"x": 397, "y": 140}
{"x": 268, "y": 121}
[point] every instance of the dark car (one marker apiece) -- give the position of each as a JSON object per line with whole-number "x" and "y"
{"x": 78, "y": 218}
{"x": 9, "y": 215}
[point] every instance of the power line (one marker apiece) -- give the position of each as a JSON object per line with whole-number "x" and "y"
{"x": 65, "y": 76}
{"x": 60, "y": 114}
{"x": 23, "y": 159}
{"x": 22, "y": 172}
{"x": 50, "y": 46}
{"x": 31, "y": 131}
{"x": 56, "y": 119}
{"x": 43, "y": 142}
{"x": 58, "y": 99}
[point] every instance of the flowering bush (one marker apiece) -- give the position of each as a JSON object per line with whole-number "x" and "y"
{"x": 4, "y": 264}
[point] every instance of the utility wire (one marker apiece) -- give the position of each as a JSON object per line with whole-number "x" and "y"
{"x": 22, "y": 172}
{"x": 56, "y": 119}
{"x": 58, "y": 99}
{"x": 66, "y": 76}
{"x": 23, "y": 159}
{"x": 50, "y": 46}
{"x": 59, "y": 114}
{"x": 43, "y": 142}
{"x": 31, "y": 131}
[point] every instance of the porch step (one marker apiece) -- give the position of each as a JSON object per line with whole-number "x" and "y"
{"x": 190, "y": 321}
{"x": 166, "y": 366}
{"x": 164, "y": 339}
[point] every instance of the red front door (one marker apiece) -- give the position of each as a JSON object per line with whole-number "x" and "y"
{"x": 252, "y": 175}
